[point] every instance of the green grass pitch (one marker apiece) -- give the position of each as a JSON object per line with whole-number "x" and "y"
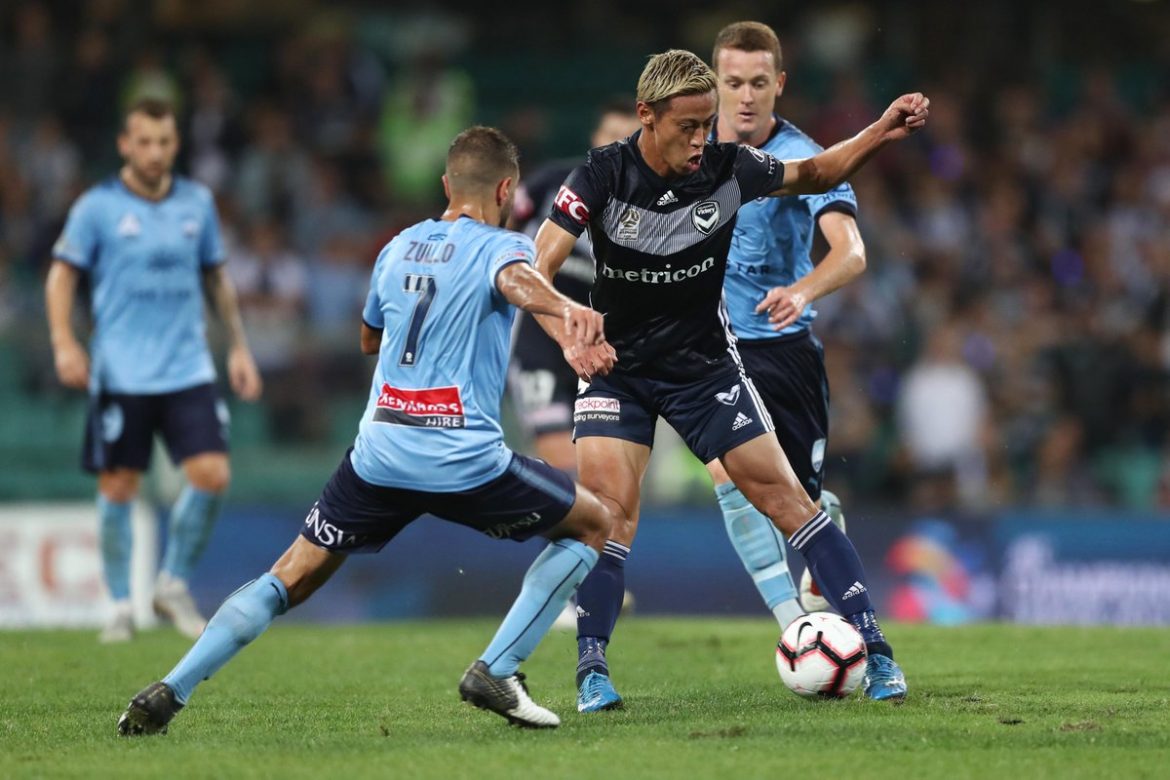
{"x": 703, "y": 701}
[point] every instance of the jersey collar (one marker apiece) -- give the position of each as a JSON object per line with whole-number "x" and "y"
{"x": 126, "y": 189}
{"x": 714, "y": 137}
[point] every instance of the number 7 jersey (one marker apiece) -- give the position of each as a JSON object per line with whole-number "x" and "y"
{"x": 433, "y": 419}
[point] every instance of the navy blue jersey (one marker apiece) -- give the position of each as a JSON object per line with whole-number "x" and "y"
{"x": 661, "y": 249}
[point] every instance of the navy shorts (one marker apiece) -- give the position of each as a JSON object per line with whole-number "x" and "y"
{"x": 355, "y": 516}
{"x": 790, "y": 375}
{"x": 713, "y": 415}
{"x": 541, "y": 383}
{"x": 121, "y": 427}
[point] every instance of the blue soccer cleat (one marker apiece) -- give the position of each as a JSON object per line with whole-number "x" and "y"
{"x": 597, "y": 693}
{"x": 884, "y": 679}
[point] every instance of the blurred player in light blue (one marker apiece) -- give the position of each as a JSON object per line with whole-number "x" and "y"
{"x": 439, "y": 317}
{"x": 147, "y": 243}
{"x": 769, "y": 289}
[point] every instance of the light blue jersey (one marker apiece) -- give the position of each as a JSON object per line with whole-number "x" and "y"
{"x": 145, "y": 260}
{"x": 772, "y": 239}
{"x": 433, "y": 419}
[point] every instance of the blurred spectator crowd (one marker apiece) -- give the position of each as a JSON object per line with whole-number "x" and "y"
{"x": 1008, "y": 344}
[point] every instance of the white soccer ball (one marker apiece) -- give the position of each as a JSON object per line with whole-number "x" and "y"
{"x": 821, "y": 654}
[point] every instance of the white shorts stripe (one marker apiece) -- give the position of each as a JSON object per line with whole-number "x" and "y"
{"x": 758, "y": 402}
{"x": 732, "y": 339}
{"x": 725, "y": 318}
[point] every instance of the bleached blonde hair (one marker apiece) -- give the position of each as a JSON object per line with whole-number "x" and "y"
{"x": 674, "y": 73}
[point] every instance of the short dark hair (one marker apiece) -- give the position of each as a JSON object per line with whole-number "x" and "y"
{"x": 618, "y": 104}
{"x": 748, "y": 36}
{"x": 481, "y": 157}
{"x": 153, "y": 107}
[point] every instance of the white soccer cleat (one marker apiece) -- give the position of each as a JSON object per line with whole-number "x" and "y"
{"x": 119, "y": 626}
{"x": 173, "y": 601}
{"x": 505, "y": 696}
{"x": 810, "y": 595}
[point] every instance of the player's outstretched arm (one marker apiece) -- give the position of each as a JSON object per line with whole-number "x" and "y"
{"x": 826, "y": 170}
{"x": 242, "y": 372}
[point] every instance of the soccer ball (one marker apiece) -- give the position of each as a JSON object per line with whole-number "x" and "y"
{"x": 821, "y": 654}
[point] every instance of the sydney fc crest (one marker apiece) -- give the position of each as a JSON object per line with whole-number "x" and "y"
{"x": 705, "y": 216}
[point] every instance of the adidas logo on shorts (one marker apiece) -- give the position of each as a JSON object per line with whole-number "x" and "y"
{"x": 741, "y": 420}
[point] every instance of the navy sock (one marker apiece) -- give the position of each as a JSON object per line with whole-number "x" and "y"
{"x": 838, "y": 572}
{"x": 590, "y": 657}
{"x": 875, "y": 641}
{"x": 599, "y": 601}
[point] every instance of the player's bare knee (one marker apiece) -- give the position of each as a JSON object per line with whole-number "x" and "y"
{"x": 601, "y": 526}
{"x": 118, "y": 494}
{"x": 210, "y": 475}
{"x": 622, "y": 524}
{"x": 118, "y": 487}
{"x": 625, "y": 525}
{"x": 592, "y": 520}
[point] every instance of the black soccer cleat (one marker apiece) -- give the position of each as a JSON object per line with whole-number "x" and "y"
{"x": 149, "y": 711}
{"x": 505, "y": 696}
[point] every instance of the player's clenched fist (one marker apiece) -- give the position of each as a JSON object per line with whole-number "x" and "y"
{"x": 906, "y": 115}
{"x": 72, "y": 365}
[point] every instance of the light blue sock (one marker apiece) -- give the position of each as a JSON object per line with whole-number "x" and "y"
{"x": 761, "y": 549}
{"x": 549, "y": 583}
{"x": 117, "y": 541}
{"x": 240, "y": 619}
{"x": 191, "y": 520}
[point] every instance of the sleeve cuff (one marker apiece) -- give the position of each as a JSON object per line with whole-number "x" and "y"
{"x": 840, "y": 206}
{"x": 80, "y": 266}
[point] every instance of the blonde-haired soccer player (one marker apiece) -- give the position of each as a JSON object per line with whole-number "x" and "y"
{"x": 661, "y": 209}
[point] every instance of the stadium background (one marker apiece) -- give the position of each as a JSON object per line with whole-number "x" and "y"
{"x": 999, "y": 374}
